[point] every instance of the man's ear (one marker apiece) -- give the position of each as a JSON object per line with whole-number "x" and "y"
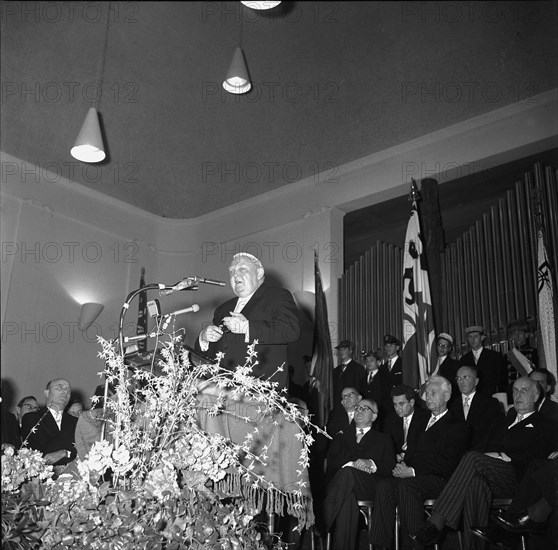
{"x": 46, "y": 394}
{"x": 260, "y": 273}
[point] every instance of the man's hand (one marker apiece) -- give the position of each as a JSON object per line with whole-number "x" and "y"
{"x": 55, "y": 456}
{"x": 236, "y": 323}
{"x": 211, "y": 333}
{"x": 401, "y": 470}
{"x": 365, "y": 465}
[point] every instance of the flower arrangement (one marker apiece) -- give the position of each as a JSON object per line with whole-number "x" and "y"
{"x": 162, "y": 477}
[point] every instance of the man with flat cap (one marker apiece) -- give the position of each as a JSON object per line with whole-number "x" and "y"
{"x": 348, "y": 374}
{"x": 491, "y": 366}
{"x": 446, "y": 365}
{"x": 392, "y": 360}
{"x": 258, "y": 312}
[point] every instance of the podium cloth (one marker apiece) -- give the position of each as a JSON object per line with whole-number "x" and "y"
{"x": 281, "y": 469}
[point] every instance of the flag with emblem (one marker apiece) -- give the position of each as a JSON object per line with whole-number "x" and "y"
{"x": 322, "y": 357}
{"x": 418, "y": 324}
{"x": 547, "y": 326}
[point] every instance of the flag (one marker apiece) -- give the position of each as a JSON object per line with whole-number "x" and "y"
{"x": 547, "y": 327}
{"x": 322, "y": 357}
{"x": 142, "y": 314}
{"x": 418, "y": 324}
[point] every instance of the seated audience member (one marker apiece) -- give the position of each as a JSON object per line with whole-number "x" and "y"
{"x": 512, "y": 442}
{"x": 358, "y": 456}
{"x": 377, "y": 386}
{"x": 75, "y": 408}
{"x": 26, "y": 405}
{"x": 392, "y": 361}
{"x": 491, "y": 366}
{"x": 404, "y": 423}
{"x": 90, "y": 423}
{"x": 446, "y": 365}
{"x": 341, "y": 417}
{"x": 547, "y": 383}
{"x": 348, "y": 373}
{"x": 522, "y": 358}
{"x": 52, "y": 430}
{"x": 534, "y": 503}
{"x": 479, "y": 411}
{"x": 10, "y": 429}
{"x": 430, "y": 459}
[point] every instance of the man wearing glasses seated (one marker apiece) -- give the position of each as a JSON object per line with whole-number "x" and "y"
{"x": 358, "y": 456}
{"x": 26, "y": 405}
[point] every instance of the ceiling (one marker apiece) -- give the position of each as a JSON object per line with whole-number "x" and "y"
{"x": 332, "y": 82}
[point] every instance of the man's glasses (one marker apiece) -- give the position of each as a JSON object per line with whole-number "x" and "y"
{"x": 364, "y": 408}
{"x": 29, "y": 406}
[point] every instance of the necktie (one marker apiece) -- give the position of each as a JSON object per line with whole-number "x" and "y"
{"x": 57, "y": 417}
{"x": 431, "y": 421}
{"x": 405, "y": 432}
{"x": 370, "y": 378}
{"x": 466, "y": 407}
{"x": 360, "y": 434}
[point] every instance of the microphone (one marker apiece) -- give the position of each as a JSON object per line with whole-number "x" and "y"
{"x": 185, "y": 284}
{"x": 195, "y": 308}
{"x": 210, "y": 281}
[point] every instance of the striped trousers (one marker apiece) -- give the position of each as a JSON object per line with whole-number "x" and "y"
{"x": 469, "y": 492}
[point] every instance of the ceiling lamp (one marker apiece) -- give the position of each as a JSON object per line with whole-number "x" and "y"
{"x": 238, "y": 79}
{"x": 89, "y": 146}
{"x": 260, "y": 5}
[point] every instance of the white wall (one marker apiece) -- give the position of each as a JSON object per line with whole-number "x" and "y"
{"x": 63, "y": 244}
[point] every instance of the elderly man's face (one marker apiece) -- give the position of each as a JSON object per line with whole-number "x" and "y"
{"x": 436, "y": 397}
{"x": 525, "y": 395}
{"x": 58, "y": 394}
{"x": 365, "y": 413}
{"x": 245, "y": 276}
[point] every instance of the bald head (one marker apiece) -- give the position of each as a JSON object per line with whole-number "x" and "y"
{"x": 365, "y": 413}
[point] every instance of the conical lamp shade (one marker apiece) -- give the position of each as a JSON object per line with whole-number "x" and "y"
{"x": 89, "y": 143}
{"x": 89, "y": 312}
{"x": 238, "y": 79}
{"x": 260, "y": 5}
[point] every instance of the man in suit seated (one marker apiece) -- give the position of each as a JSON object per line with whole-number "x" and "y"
{"x": 446, "y": 365}
{"x": 358, "y": 456}
{"x": 52, "y": 430}
{"x": 258, "y": 312}
{"x": 491, "y": 366}
{"x": 478, "y": 410}
{"x": 377, "y": 385}
{"x": 547, "y": 383}
{"x": 348, "y": 373}
{"x": 429, "y": 462}
{"x": 512, "y": 442}
{"x": 404, "y": 423}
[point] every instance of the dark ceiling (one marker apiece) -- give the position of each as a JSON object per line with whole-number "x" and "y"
{"x": 332, "y": 82}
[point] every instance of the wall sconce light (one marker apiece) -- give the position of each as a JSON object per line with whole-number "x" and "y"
{"x": 238, "y": 79}
{"x": 89, "y": 312}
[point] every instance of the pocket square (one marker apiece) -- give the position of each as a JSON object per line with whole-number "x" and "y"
{"x": 529, "y": 426}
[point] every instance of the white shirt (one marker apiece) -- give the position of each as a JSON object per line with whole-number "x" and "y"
{"x": 434, "y": 419}
{"x": 520, "y": 418}
{"x": 57, "y": 417}
{"x": 476, "y": 354}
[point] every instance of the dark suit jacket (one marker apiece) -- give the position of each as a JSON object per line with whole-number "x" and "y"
{"x": 396, "y": 373}
{"x": 354, "y": 376}
{"x": 379, "y": 391}
{"x": 47, "y": 438}
{"x": 534, "y": 437}
{"x": 438, "y": 450}
{"x": 492, "y": 371}
{"x": 374, "y": 445}
{"x": 393, "y": 427}
{"x": 338, "y": 421}
{"x": 549, "y": 409}
{"x": 483, "y": 411}
{"x": 273, "y": 321}
{"x": 10, "y": 427}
